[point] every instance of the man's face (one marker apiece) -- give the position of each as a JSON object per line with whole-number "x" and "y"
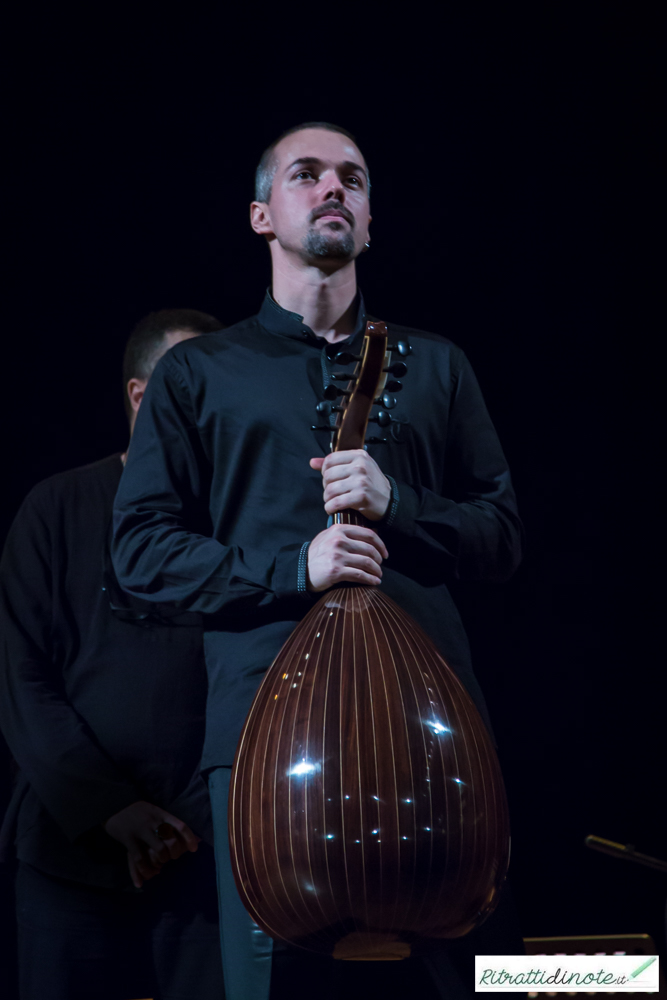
{"x": 319, "y": 204}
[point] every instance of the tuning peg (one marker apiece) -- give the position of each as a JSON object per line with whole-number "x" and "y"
{"x": 401, "y": 347}
{"x": 375, "y": 440}
{"x": 321, "y": 427}
{"x": 344, "y": 377}
{"x": 382, "y": 418}
{"x": 345, "y": 358}
{"x": 326, "y": 408}
{"x": 399, "y": 368}
{"x": 333, "y": 392}
{"x": 386, "y": 400}
{"x": 393, "y": 386}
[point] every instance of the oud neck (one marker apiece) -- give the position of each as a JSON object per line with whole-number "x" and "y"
{"x": 350, "y": 517}
{"x": 359, "y": 398}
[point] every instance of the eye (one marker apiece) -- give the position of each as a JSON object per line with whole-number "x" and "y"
{"x": 353, "y": 180}
{"x": 302, "y": 174}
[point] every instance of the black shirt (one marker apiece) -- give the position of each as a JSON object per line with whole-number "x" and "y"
{"x": 217, "y": 497}
{"x": 99, "y": 710}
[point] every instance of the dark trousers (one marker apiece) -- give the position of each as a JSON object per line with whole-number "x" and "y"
{"x": 78, "y": 942}
{"x": 256, "y": 970}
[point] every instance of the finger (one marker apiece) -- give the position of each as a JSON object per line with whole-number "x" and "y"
{"x": 343, "y": 457}
{"x": 191, "y": 839}
{"x": 332, "y": 473}
{"x": 337, "y": 489}
{"x": 153, "y": 858}
{"x": 150, "y": 871}
{"x": 316, "y": 463}
{"x": 356, "y": 531}
{"x": 350, "y": 498}
{"x": 336, "y": 468}
{"x": 354, "y": 560}
{"x": 361, "y": 549}
{"x": 350, "y": 567}
{"x": 176, "y": 846}
{"x": 137, "y": 850}
{"x": 164, "y": 839}
{"x": 146, "y": 866}
{"x": 353, "y": 531}
{"x": 347, "y": 486}
{"x": 137, "y": 880}
{"x": 154, "y": 842}
{"x": 357, "y": 574}
{"x": 148, "y": 863}
{"x": 172, "y": 839}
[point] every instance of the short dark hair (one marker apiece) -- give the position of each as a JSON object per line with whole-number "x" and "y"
{"x": 266, "y": 169}
{"x": 143, "y": 345}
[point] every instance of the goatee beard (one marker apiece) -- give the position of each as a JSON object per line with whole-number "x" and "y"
{"x": 328, "y": 245}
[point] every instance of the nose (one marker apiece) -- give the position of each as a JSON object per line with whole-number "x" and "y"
{"x": 332, "y": 188}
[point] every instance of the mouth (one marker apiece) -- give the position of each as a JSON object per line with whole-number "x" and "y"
{"x": 334, "y": 215}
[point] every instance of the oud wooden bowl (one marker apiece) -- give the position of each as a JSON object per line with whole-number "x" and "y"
{"x": 367, "y": 808}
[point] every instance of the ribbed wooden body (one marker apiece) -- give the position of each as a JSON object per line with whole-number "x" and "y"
{"x": 366, "y": 797}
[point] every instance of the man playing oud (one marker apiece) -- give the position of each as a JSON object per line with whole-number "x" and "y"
{"x": 220, "y": 510}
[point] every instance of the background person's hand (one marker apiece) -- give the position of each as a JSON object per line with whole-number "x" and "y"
{"x": 352, "y": 479}
{"x": 345, "y": 552}
{"x": 152, "y": 836}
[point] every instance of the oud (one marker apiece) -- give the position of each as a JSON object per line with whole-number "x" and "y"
{"x": 367, "y": 808}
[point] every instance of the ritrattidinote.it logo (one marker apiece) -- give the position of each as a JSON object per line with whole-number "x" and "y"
{"x": 566, "y": 973}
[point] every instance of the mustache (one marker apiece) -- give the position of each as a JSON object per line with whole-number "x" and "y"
{"x": 330, "y": 206}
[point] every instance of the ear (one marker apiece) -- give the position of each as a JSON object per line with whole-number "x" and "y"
{"x": 260, "y": 218}
{"x": 136, "y": 388}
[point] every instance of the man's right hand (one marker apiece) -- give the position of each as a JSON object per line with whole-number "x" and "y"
{"x": 345, "y": 552}
{"x": 152, "y": 837}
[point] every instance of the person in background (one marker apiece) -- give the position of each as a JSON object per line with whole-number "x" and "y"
{"x": 103, "y": 707}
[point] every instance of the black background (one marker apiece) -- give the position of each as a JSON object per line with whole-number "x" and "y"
{"x": 514, "y": 157}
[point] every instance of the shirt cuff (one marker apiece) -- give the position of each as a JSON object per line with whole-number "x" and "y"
{"x": 403, "y": 508}
{"x": 290, "y": 578}
{"x": 302, "y": 570}
{"x": 392, "y": 509}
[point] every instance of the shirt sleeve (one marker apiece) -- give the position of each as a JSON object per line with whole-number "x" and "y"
{"x": 53, "y": 746}
{"x": 163, "y": 550}
{"x": 470, "y": 528}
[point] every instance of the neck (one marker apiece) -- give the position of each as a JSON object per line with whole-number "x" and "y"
{"x": 325, "y": 299}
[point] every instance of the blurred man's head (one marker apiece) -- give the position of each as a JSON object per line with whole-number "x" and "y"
{"x": 312, "y": 196}
{"x": 152, "y": 337}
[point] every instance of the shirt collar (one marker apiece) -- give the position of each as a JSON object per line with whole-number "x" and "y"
{"x": 275, "y": 319}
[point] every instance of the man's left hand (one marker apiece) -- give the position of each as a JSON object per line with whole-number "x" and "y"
{"x": 352, "y": 479}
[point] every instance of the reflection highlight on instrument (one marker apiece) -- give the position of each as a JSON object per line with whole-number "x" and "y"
{"x": 302, "y": 768}
{"x": 437, "y": 727}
